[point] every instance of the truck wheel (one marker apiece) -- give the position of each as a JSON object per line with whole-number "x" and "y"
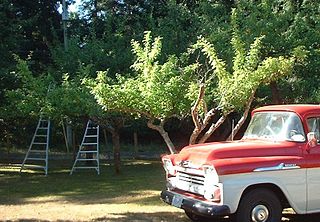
{"x": 259, "y": 205}
{"x": 196, "y": 218}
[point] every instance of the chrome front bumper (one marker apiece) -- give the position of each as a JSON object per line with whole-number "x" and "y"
{"x": 193, "y": 205}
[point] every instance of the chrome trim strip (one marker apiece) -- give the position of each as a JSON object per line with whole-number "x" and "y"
{"x": 281, "y": 166}
{"x": 193, "y": 171}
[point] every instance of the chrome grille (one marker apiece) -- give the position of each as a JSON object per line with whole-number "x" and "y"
{"x": 190, "y": 178}
{"x": 190, "y": 182}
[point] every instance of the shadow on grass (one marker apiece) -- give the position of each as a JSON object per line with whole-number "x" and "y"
{"x": 180, "y": 217}
{"x": 132, "y": 217}
{"x": 30, "y": 220}
{"x": 170, "y": 217}
{"x": 145, "y": 217}
{"x": 301, "y": 218}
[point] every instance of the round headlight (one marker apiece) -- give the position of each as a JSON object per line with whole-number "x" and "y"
{"x": 168, "y": 167}
{"x": 210, "y": 175}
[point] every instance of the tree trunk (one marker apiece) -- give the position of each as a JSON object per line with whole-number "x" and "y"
{"x": 65, "y": 136}
{"x": 8, "y": 143}
{"x": 213, "y": 128}
{"x": 106, "y": 141}
{"x": 163, "y": 133}
{"x": 195, "y": 116}
{"x": 135, "y": 143}
{"x": 75, "y": 150}
{"x": 200, "y": 124}
{"x": 116, "y": 150}
{"x": 194, "y": 136}
{"x": 243, "y": 118}
{"x": 113, "y": 126}
{"x": 203, "y": 124}
{"x": 70, "y": 135}
{"x": 276, "y": 98}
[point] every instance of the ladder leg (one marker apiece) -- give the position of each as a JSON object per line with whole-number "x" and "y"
{"x": 75, "y": 162}
{"x": 33, "y": 154}
{"x": 90, "y": 139}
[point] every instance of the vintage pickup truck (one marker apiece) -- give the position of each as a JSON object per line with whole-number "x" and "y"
{"x": 275, "y": 165}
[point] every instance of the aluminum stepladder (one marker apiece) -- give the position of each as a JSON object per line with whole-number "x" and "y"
{"x": 88, "y": 150}
{"x": 37, "y": 154}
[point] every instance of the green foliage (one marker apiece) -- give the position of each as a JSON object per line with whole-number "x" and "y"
{"x": 109, "y": 52}
{"x": 286, "y": 25}
{"x": 72, "y": 101}
{"x": 157, "y": 91}
{"x": 10, "y": 34}
{"x": 41, "y": 96}
{"x": 234, "y": 89}
{"x": 27, "y": 29}
{"x": 215, "y": 25}
{"x": 177, "y": 24}
{"x": 31, "y": 98}
{"x": 158, "y": 84}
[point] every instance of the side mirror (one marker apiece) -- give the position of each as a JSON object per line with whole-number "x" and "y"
{"x": 298, "y": 138}
{"x": 312, "y": 139}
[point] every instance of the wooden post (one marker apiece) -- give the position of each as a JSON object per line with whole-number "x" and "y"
{"x": 106, "y": 142}
{"x": 69, "y": 133}
{"x": 135, "y": 144}
{"x": 75, "y": 150}
{"x": 116, "y": 151}
{"x": 65, "y": 136}
{"x": 8, "y": 142}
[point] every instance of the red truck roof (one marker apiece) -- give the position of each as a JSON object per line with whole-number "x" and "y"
{"x": 301, "y": 109}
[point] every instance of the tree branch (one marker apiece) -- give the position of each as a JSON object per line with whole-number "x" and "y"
{"x": 209, "y": 116}
{"x": 195, "y": 108}
{"x": 163, "y": 133}
{"x": 243, "y": 118}
{"x": 195, "y": 116}
{"x": 213, "y": 127}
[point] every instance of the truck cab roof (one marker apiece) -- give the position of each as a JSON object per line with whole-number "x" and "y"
{"x": 300, "y": 109}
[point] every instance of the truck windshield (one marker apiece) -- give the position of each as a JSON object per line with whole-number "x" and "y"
{"x": 276, "y": 126}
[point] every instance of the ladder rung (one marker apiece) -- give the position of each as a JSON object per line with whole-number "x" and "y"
{"x": 37, "y": 143}
{"x": 86, "y": 159}
{"x": 89, "y": 144}
{"x": 34, "y": 158}
{"x": 43, "y": 128}
{"x": 41, "y": 135}
{"x": 91, "y": 136}
{"x": 88, "y": 151}
{"x": 92, "y": 127}
{"x": 38, "y": 151}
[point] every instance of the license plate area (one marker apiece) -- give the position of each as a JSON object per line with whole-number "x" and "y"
{"x": 177, "y": 201}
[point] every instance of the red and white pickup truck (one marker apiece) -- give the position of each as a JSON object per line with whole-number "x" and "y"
{"x": 275, "y": 165}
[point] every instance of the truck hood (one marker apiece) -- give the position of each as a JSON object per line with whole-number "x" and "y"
{"x": 240, "y": 156}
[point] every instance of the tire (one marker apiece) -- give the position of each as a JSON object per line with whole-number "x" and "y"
{"x": 259, "y": 205}
{"x": 196, "y": 218}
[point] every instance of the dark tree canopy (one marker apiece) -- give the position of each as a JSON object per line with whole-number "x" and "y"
{"x": 101, "y": 32}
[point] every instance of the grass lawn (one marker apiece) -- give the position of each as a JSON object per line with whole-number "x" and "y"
{"x": 85, "y": 196}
